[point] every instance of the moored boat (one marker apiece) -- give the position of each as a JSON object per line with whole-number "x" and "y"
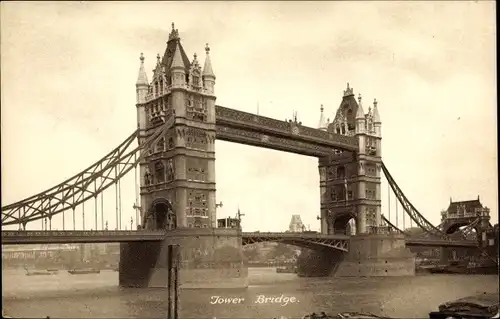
{"x": 343, "y": 315}
{"x": 84, "y": 271}
{"x": 290, "y": 269}
{"x": 483, "y": 306}
{"x": 39, "y": 272}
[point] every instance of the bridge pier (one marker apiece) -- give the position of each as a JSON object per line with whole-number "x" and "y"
{"x": 370, "y": 255}
{"x": 210, "y": 258}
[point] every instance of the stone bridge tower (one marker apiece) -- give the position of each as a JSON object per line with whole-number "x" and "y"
{"x": 350, "y": 182}
{"x": 350, "y": 190}
{"x": 178, "y": 175}
{"x": 178, "y": 178}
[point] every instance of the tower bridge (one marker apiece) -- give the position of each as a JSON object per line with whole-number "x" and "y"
{"x": 178, "y": 122}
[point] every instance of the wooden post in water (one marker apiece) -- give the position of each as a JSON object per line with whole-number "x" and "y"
{"x": 173, "y": 281}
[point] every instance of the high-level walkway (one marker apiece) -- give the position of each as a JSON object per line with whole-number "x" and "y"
{"x": 339, "y": 242}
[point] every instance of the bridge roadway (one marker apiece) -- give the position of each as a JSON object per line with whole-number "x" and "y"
{"x": 108, "y": 236}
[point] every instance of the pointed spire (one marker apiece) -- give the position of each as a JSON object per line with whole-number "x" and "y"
{"x": 174, "y": 34}
{"x": 142, "y": 78}
{"x": 376, "y": 115}
{"x": 177, "y": 60}
{"x": 207, "y": 68}
{"x": 322, "y": 123}
{"x": 348, "y": 91}
{"x": 360, "y": 113}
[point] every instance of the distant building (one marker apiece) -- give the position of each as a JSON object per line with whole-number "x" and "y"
{"x": 296, "y": 225}
{"x": 465, "y": 209}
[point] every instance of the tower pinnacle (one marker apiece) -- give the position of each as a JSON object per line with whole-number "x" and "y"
{"x": 142, "y": 78}
{"x": 177, "y": 60}
{"x": 376, "y": 115}
{"x": 174, "y": 34}
{"x": 360, "y": 113}
{"x": 348, "y": 91}
{"x": 207, "y": 68}
{"x": 322, "y": 123}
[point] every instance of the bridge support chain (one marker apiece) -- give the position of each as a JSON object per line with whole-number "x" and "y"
{"x": 370, "y": 255}
{"x": 209, "y": 258}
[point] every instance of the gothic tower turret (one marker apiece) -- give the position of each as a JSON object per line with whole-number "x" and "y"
{"x": 369, "y": 158}
{"x": 376, "y": 119}
{"x": 360, "y": 117}
{"x": 142, "y": 84}
{"x": 141, "y": 90}
{"x": 323, "y": 124}
{"x": 208, "y": 73}
{"x": 178, "y": 69}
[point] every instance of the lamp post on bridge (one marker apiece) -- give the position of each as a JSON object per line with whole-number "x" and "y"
{"x": 217, "y": 206}
{"x": 318, "y": 217}
{"x": 131, "y": 223}
{"x": 137, "y": 214}
{"x": 238, "y": 217}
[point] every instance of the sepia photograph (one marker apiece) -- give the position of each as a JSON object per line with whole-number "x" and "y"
{"x": 249, "y": 159}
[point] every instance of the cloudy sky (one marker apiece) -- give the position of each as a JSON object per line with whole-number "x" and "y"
{"x": 68, "y": 93}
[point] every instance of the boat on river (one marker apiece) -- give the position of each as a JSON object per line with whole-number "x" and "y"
{"x": 343, "y": 315}
{"x": 84, "y": 271}
{"x": 290, "y": 269}
{"x": 46, "y": 272}
{"x": 483, "y": 306}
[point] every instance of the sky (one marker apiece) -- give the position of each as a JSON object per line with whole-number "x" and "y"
{"x": 68, "y": 73}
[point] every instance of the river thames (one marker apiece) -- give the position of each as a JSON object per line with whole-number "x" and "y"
{"x": 98, "y": 296}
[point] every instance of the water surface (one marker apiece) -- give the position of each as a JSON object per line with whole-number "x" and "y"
{"x": 98, "y": 296}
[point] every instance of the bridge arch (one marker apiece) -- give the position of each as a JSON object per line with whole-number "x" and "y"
{"x": 162, "y": 215}
{"x": 454, "y": 227}
{"x": 303, "y": 244}
{"x": 317, "y": 243}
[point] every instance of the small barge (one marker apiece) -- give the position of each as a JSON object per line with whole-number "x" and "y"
{"x": 484, "y": 306}
{"x": 48, "y": 272}
{"x": 84, "y": 271}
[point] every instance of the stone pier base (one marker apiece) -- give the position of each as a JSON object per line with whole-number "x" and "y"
{"x": 369, "y": 256}
{"x": 377, "y": 255}
{"x": 210, "y": 258}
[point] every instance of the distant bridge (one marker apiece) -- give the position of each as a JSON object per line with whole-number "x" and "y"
{"x": 308, "y": 240}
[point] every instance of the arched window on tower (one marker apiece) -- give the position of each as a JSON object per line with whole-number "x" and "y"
{"x": 196, "y": 80}
{"x": 197, "y": 223}
{"x": 370, "y": 125}
{"x": 160, "y": 172}
{"x": 340, "y": 172}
